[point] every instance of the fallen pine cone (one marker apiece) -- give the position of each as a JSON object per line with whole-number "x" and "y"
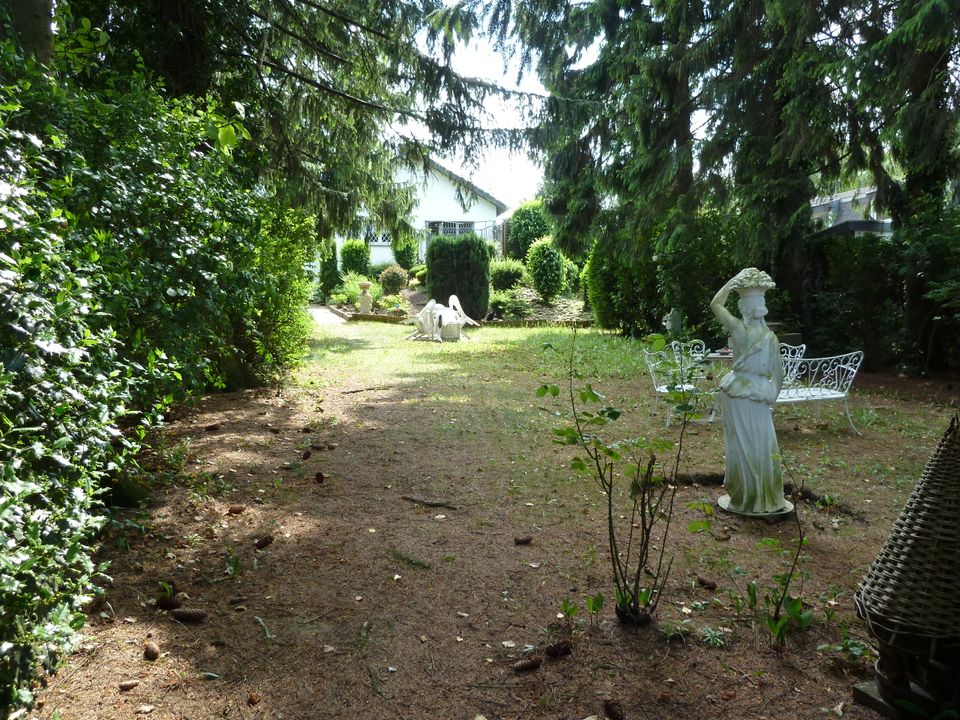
{"x": 558, "y": 649}
{"x": 612, "y": 709}
{"x": 128, "y": 685}
{"x": 527, "y": 664}
{"x": 168, "y": 602}
{"x": 320, "y": 477}
{"x": 704, "y": 582}
{"x": 261, "y": 543}
{"x": 213, "y": 428}
{"x": 189, "y": 615}
{"x": 151, "y": 651}
{"x": 525, "y": 540}
{"x": 236, "y": 509}
{"x": 306, "y": 455}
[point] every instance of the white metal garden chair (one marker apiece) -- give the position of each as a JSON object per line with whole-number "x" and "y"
{"x": 672, "y": 373}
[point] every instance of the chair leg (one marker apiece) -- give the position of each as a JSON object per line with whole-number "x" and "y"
{"x": 846, "y": 405}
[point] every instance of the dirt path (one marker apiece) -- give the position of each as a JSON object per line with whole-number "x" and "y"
{"x": 330, "y": 592}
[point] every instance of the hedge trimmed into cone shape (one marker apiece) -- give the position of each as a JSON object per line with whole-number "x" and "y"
{"x": 460, "y": 266}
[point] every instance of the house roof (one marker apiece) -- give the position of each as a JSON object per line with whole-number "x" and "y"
{"x": 479, "y": 192}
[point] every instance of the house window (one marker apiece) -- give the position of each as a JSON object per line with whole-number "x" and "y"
{"x": 449, "y": 227}
{"x": 372, "y": 236}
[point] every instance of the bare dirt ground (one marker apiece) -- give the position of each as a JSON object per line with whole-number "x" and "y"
{"x": 296, "y": 522}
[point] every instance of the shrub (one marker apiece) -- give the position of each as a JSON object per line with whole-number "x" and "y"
{"x": 545, "y": 268}
{"x": 622, "y": 291}
{"x": 122, "y": 290}
{"x": 404, "y": 251}
{"x": 393, "y": 279}
{"x": 571, "y": 276}
{"x": 355, "y": 257}
{"x": 460, "y": 266}
{"x": 508, "y": 305}
{"x": 329, "y": 274}
{"x": 527, "y": 225}
{"x": 394, "y": 305}
{"x": 505, "y": 274}
{"x": 374, "y": 269}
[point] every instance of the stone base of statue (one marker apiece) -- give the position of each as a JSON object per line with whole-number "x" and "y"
{"x": 785, "y": 512}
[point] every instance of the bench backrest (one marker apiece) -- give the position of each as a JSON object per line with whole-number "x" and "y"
{"x": 832, "y": 373}
{"x": 789, "y": 354}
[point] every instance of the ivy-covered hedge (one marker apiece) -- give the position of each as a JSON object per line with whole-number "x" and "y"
{"x": 460, "y": 266}
{"x": 136, "y": 267}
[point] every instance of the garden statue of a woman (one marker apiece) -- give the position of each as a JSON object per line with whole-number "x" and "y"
{"x": 753, "y": 479}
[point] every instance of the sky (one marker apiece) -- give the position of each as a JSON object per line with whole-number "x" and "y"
{"x": 512, "y": 178}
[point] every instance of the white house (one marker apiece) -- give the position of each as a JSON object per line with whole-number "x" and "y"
{"x": 852, "y": 211}
{"x": 446, "y": 204}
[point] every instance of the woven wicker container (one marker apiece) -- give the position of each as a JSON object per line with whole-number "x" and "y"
{"x": 910, "y": 597}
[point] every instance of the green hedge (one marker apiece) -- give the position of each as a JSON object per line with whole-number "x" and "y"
{"x": 355, "y": 257}
{"x": 136, "y": 267}
{"x": 460, "y": 266}
{"x": 622, "y": 290}
{"x": 393, "y": 279}
{"x": 404, "y": 251}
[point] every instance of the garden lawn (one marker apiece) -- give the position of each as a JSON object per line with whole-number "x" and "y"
{"x": 363, "y": 603}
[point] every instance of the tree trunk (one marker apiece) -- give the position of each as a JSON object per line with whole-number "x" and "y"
{"x": 32, "y": 24}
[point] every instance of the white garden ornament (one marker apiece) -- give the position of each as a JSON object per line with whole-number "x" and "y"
{"x": 441, "y": 323}
{"x": 752, "y": 478}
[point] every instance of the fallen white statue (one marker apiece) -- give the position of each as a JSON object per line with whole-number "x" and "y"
{"x": 441, "y": 323}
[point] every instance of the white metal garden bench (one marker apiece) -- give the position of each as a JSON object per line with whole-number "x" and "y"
{"x": 790, "y": 354}
{"x": 821, "y": 379}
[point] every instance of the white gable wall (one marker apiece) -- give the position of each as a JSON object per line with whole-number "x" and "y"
{"x": 436, "y": 201}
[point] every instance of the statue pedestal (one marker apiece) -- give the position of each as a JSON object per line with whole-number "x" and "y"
{"x": 724, "y": 503}
{"x": 366, "y": 300}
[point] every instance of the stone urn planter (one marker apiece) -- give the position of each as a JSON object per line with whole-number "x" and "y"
{"x": 366, "y": 300}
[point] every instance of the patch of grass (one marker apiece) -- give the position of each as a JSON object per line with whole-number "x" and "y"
{"x": 408, "y": 559}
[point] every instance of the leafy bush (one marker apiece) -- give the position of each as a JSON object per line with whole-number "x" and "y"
{"x": 527, "y": 224}
{"x": 460, "y": 266}
{"x": 393, "y": 279}
{"x": 419, "y": 272}
{"x": 355, "y": 257}
{"x": 404, "y": 251}
{"x": 374, "y": 269}
{"x": 545, "y": 268}
{"x": 505, "y": 274}
{"x": 394, "y": 305}
{"x": 508, "y": 305}
{"x": 693, "y": 262}
{"x": 622, "y": 291}
{"x": 135, "y": 268}
{"x": 571, "y": 276}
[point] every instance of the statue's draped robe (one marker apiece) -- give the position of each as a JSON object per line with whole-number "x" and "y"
{"x": 753, "y": 476}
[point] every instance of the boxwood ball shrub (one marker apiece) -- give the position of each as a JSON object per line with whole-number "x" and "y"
{"x": 459, "y": 266}
{"x": 393, "y": 279}
{"x": 527, "y": 225}
{"x": 506, "y": 273}
{"x": 355, "y": 257}
{"x": 545, "y": 268}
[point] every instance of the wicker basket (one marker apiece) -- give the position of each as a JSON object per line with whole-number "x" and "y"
{"x": 910, "y": 597}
